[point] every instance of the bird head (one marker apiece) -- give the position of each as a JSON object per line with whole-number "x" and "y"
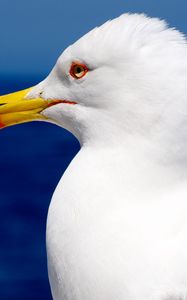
{"x": 125, "y": 75}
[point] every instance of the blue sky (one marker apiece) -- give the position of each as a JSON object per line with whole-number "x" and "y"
{"x": 34, "y": 33}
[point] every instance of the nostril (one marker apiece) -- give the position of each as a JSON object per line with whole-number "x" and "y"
{"x": 40, "y": 93}
{"x": 1, "y": 104}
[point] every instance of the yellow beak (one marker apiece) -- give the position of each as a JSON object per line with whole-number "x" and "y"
{"x": 15, "y": 108}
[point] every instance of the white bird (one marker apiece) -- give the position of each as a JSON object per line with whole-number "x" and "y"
{"x": 117, "y": 222}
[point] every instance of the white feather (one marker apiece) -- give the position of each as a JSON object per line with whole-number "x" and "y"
{"x": 117, "y": 226}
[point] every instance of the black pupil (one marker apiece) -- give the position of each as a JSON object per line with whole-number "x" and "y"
{"x": 79, "y": 70}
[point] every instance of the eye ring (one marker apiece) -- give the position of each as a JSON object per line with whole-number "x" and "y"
{"x": 78, "y": 70}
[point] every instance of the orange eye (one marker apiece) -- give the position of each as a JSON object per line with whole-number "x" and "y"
{"x": 78, "y": 70}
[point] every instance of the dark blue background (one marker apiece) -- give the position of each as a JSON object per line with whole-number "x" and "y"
{"x": 34, "y": 156}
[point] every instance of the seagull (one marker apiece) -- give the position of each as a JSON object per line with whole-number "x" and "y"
{"x": 117, "y": 221}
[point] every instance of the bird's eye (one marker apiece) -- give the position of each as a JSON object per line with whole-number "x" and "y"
{"x": 78, "y": 70}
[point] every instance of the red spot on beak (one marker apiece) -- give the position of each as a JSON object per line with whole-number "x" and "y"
{"x": 2, "y": 125}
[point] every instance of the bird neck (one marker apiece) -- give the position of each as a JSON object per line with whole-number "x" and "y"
{"x": 156, "y": 145}
{"x": 153, "y": 159}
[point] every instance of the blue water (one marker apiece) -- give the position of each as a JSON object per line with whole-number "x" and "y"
{"x": 33, "y": 158}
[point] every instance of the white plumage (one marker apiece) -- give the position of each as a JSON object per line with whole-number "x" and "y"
{"x": 117, "y": 224}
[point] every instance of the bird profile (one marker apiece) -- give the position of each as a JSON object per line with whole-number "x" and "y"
{"x": 117, "y": 225}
